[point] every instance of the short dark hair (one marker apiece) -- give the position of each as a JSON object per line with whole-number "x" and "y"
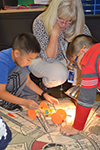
{"x": 26, "y": 42}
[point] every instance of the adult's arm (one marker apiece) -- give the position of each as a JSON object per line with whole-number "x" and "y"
{"x": 52, "y": 47}
{"x": 49, "y": 44}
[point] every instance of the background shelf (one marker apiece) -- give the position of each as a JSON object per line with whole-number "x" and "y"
{"x": 91, "y": 6}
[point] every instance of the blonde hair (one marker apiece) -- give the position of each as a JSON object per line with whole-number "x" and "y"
{"x": 67, "y": 10}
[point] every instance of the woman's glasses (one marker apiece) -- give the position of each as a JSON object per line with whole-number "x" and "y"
{"x": 64, "y": 21}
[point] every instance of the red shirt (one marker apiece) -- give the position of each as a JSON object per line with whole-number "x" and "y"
{"x": 90, "y": 81}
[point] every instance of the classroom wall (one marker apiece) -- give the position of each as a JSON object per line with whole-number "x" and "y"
{"x": 12, "y": 24}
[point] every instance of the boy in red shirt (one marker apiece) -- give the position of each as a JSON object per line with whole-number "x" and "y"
{"x": 84, "y": 50}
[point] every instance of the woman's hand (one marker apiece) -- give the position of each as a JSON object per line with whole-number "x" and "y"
{"x": 31, "y": 104}
{"x": 51, "y": 99}
{"x": 56, "y": 30}
{"x": 68, "y": 130}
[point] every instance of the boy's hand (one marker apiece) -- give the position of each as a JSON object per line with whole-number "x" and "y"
{"x": 51, "y": 99}
{"x": 31, "y": 104}
{"x": 68, "y": 130}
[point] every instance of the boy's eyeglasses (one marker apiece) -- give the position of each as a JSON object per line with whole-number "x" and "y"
{"x": 74, "y": 63}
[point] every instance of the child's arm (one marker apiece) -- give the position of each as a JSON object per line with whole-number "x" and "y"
{"x": 6, "y": 96}
{"x": 39, "y": 91}
{"x": 79, "y": 121}
{"x": 81, "y": 117}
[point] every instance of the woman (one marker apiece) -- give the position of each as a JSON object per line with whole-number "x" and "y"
{"x": 54, "y": 28}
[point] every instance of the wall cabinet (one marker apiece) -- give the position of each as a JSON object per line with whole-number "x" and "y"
{"x": 91, "y": 6}
{"x": 13, "y": 23}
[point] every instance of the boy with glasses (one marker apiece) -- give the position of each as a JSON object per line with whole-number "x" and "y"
{"x": 84, "y": 50}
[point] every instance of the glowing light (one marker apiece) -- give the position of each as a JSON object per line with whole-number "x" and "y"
{"x": 70, "y": 115}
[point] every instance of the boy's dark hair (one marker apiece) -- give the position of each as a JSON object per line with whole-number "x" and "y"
{"x": 26, "y": 42}
{"x": 78, "y": 42}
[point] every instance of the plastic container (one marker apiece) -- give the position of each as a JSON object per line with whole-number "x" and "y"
{"x": 91, "y": 6}
{"x": 25, "y": 2}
